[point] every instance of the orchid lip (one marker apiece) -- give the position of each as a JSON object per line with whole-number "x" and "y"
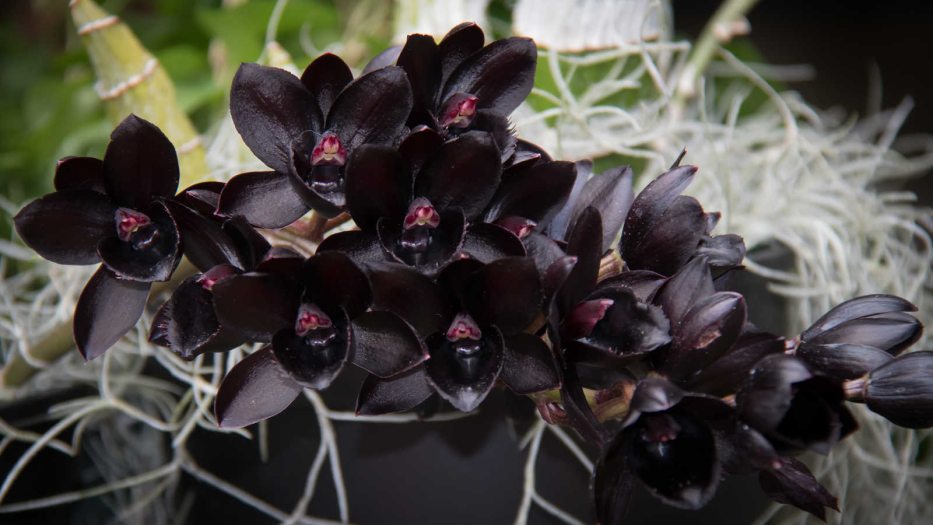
{"x": 459, "y": 110}
{"x": 129, "y": 222}
{"x": 311, "y": 318}
{"x": 465, "y": 336}
{"x": 421, "y": 213}
{"x": 329, "y": 151}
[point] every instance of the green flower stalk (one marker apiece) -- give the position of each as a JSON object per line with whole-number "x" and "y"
{"x": 131, "y": 80}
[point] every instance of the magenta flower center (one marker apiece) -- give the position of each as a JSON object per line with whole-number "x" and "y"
{"x": 311, "y": 318}
{"x": 329, "y": 151}
{"x": 129, "y": 222}
{"x": 459, "y": 111}
{"x": 421, "y": 213}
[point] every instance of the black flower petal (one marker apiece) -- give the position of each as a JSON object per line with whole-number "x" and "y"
{"x": 791, "y": 482}
{"x": 486, "y": 243}
{"x": 378, "y": 185}
{"x": 500, "y": 75}
{"x": 464, "y": 379}
{"x": 65, "y": 227}
{"x": 536, "y": 193}
{"x": 79, "y": 173}
{"x": 372, "y": 109}
{"x": 411, "y": 295}
{"x": 325, "y": 78}
{"x": 464, "y": 174}
{"x": 140, "y": 164}
{"x": 332, "y": 280}
{"x": 403, "y": 392}
{"x": 107, "y": 308}
{"x": 315, "y": 359}
{"x": 258, "y": 305}
{"x": 529, "y": 365}
{"x": 385, "y": 345}
{"x": 257, "y": 388}
{"x": 264, "y": 198}
{"x": 271, "y": 108}
{"x": 506, "y": 293}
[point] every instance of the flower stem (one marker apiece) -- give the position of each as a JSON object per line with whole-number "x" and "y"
{"x": 718, "y": 27}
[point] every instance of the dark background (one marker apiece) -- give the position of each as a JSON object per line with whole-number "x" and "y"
{"x": 470, "y": 471}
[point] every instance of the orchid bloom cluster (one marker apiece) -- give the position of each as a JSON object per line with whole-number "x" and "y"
{"x": 476, "y": 261}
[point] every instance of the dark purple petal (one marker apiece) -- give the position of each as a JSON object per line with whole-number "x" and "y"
{"x": 325, "y": 78}
{"x": 151, "y": 254}
{"x": 463, "y": 174}
{"x": 384, "y": 345}
{"x": 506, "y": 293}
{"x": 501, "y": 75}
{"x": 628, "y": 327}
{"x": 456, "y": 279}
{"x": 421, "y": 61}
{"x": 653, "y": 394}
{"x": 384, "y": 59}
{"x": 411, "y": 295}
{"x": 404, "y": 392}
{"x": 378, "y": 185}
{"x": 257, "y": 388}
{"x": 65, "y": 227}
{"x": 107, "y": 308}
{"x": 791, "y": 482}
{"x": 553, "y": 278}
{"x": 722, "y": 251}
{"x": 691, "y": 284}
{"x": 464, "y": 380}
{"x": 536, "y": 193}
{"x": 543, "y": 250}
{"x": 187, "y": 324}
{"x": 613, "y": 483}
{"x": 271, "y": 108}
{"x": 361, "y": 247}
{"x": 902, "y": 390}
{"x": 314, "y": 363}
{"x": 651, "y": 204}
{"x": 140, "y": 164}
{"x": 726, "y": 374}
{"x": 251, "y": 246}
{"x": 865, "y": 306}
{"x": 643, "y": 283}
{"x": 419, "y": 146}
{"x": 372, "y": 109}
{"x": 767, "y": 393}
{"x": 258, "y": 305}
{"x": 264, "y": 198}
{"x": 280, "y": 261}
{"x": 611, "y": 194}
{"x": 529, "y": 365}
{"x": 499, "y": 128}
{"x": 842, "y": 360}
{"x": 457, "y": 45}
{"x": 203, "y": 240}
{"x": 707, "y": 331}
{"x": 331, "y": 278}
{"x": 891, "y": 332}
{"x": 202, "y": 197}
{"x": 672, "y": 240}
{"x": 486, "y": 243}
{"x": 584, "y": 243}
{"x": 559, "y": 227}
{"x": 79, "y": 173}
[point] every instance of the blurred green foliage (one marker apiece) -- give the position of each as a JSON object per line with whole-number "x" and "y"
{"x": 47, "y": 100}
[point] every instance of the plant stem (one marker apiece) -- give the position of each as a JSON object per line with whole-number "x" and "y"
{"x": 702, "y": 53}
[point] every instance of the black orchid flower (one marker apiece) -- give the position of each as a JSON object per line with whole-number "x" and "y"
{"x": 220, "y": 248}
{"x": 475, "y": 323}
{"x": 111, "y": 211}
{"x": 317, "y": 320}
{"x": 664, "y": 229}
{"x": 667, "y": 443}
{"x": 459, "y": 85}
{"x": 306, "y": 130}
{"x": 859, "y": 335}
{"x": 606, "y": 321}
{"x": 414, "y": 206}
{"x": 792, "y": 407}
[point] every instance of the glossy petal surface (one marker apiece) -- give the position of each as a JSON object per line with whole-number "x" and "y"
{"x": 107, "y": 308}
{"x": 66, "y": 226}
{"x": 257, "y": 388}
{"x": 264, "y": 198}
{"x": 385, "y": 345}
{"x": 139, "y": 164}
